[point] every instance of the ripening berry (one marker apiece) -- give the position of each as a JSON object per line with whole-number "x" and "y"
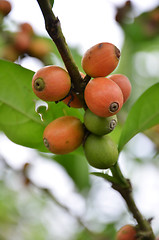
{"x": 63, "y": 135}
{"x": 27, "y": 28}
{"x": 101, "y": 151}
{"x": 39, "y": 48}
{"x": 127, "y": 232}
{"x": 10, "y": 53}
{"x": 5, "y": 7}
{"x": 99, "y": 125}
{"x": 124, "y": 83}
{"x": 73, "y": 101}
{"x": 101, "y": 59}
{"x": 103, "y": 97}
{"x": 51, "y": 83}
{"x": 22, "y": 41}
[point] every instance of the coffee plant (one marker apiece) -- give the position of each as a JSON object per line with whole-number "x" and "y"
{"x": 82, "y": 113}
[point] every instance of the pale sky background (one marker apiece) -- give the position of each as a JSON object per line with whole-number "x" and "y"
{"x": 85, "y": 23}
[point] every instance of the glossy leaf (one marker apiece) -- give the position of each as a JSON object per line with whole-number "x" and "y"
{"x": 18, "y": 118}
{"x": 143, "y": 115}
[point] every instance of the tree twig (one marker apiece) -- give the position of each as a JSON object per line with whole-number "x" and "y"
{"x": 124, "y": 187}
{"x": 53, "y": 27}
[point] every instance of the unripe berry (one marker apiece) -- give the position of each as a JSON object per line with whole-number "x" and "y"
{"x": 103, "y": 97}
{"x": 5, "y": 7}
{"x": 101, "y": 59}
{"x": 63, "y": 135}
{"x": 101, "y": 152}
{"x": 123, "y": 82}
{"x": 51, "y": 83}
{"x": 127, "y": 232}
{"x": 99, "y": 125}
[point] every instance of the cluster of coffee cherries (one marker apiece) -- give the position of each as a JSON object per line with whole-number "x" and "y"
{"x": 23, "y": 42}
{"x": 104, "y": 97}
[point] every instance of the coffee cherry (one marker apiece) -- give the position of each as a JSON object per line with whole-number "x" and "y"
{"x": 39, "y": 48}
{"x": 10, "y": 53}
{"x": 127, "y": 232}
{"x": 101, "y": 152}
{"x": 99, "y": 125}
{"x": 103, "y": 97}
{"x": 5, "y": 7}
{"x": 73, "y": 101}
{"x": 63, "y": 135}
{"x": 27, "y": 28}
{"x": 101, "y": 59}
{"x": 123, "y": 82}
{"x": 51, "y": 83}
{"x": 22, "y": 41}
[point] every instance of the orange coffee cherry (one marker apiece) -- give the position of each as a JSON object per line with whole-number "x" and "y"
{"x": 51, "y": 83}
{"x": 124, "y": 83}
{"x": 27, "y": 28}
{"x": 127, "y": 232}
{"x": 10, "y": 53}
{"x": 103, "y": 97}
{"x": 39, "y": 48}
{"x": 63, "y": 135}
{"x": 73, "y": 101}
{"x": 22, "y": 41}
{"x": 101, "y": 59}
{"x": 5, "y": 7}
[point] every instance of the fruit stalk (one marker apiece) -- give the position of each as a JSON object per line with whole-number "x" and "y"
{"x": 125, "y": 189}
{"x": 54, "y": 30}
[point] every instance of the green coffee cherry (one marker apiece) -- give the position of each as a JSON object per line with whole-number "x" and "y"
{"x": 100, "y": 151}
{"x": 99, "y": 125}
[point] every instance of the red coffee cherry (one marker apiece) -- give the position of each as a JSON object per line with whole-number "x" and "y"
{"x": 5, "y": 7}
{"x": 63, "y": 135}
{"x": 101, "y": 59}
{"x": 127, "y": 232}
{"x": 124, "y": 83}
{"x": 51, "y": 83}
{"x": 103, "y": 97}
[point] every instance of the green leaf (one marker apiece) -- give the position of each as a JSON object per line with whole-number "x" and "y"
{"x": 18, "y": 119}
{"x": 105, "y": 176}
{"x": 143, "y": 115}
